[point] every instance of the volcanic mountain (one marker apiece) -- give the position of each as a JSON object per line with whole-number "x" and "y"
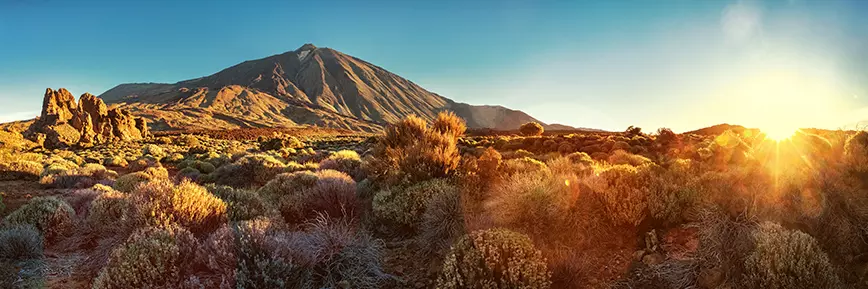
{"x": 310, "y": 85}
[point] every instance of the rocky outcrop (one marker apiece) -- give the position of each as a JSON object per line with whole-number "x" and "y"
{"x": 64, "y": 123}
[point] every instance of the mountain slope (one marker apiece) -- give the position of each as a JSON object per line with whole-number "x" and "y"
{"x": 310, "y": 85}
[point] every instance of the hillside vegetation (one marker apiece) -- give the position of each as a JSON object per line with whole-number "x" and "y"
{"x": 423, "y": 205}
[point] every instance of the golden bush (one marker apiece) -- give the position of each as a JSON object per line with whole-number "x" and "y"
{"x": 495, "y": 258}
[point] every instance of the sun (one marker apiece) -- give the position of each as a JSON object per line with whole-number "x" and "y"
{"x": 779, "y": 133}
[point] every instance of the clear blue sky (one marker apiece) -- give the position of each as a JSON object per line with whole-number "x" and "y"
{"x": 604, "y": 64}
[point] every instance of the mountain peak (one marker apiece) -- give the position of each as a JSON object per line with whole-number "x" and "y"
{"x": 307, "y": 46}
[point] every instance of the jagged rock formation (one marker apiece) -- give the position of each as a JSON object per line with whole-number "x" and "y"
{"x": 310, "y": 85}
{"x": 64, "y": 123}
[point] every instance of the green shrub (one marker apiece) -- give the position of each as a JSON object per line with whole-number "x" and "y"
{"x": 52, "y": 216}
{"x": 411, "y": 151}
{"x": 346, "y": 161}
{"x": 241, "y": 204}
{"x": 788, "y": 259}
{"x": 161, "y": 202}
{"x": 303, "y": 195}
{"x": 249, "y": 171}
{"x": 405, "y": 206}
{"x": 325, "y": 254}
{"x": 443, "y": 220}
{"x": 495, "y": 258}
{"x": 531, "y": 129}
{"x": 188, "y": 173}
{"x": 20, "y": 170}
{"x": 151, "y": 258}
{"x": 20, "y": 242}
{"x": 110, "y": 212}
{"x": 623, "y": 190}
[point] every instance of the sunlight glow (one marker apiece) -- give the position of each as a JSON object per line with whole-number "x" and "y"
{"x": 779, "y": 133}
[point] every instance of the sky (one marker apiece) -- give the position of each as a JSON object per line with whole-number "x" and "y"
{"x": 682, "y": 64}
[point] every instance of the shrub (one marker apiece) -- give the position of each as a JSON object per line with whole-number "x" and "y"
{"x": 116, "y": 161}
{"x": 188, "y": 173}
{"x": 127, "y": 183}
{"x": 83, "y": 177}
{"x": 241, "y": 204}
{"x": 411, "y": 151}
{"x": 281, "y": 142}
{"x": 856, "y": 150}
{"x": 110, "y": 212}
{"x": 154, "y": 150}
{"x": 201, "y": 166}
{"x": 620, "y": 157}
{"x": 304, "y": 195}
{"x": 188, "y": 140}
{"x": 20, "y": 170}
{"x": 623, "y": 190}
{"x": 52, "y": 216}
{"x": 788, "y": 259}
{"x": 150, "y": 258}
{"x": 20, "y": 242}
{"x": 495, "y": 258}
{"x": 346, "y": 161}
{"x": 531, "y": 129}
{"x": 443, "y": 220}
{"x": 326, "y": 254}
{"x": 187, "y": 204}
{"x": 405, "y": 206}
{"x": 522, "y": 165}
{"x": 535, "y": 203}
{"x": 248, "y": 171}
{"x": 488, "y": 164}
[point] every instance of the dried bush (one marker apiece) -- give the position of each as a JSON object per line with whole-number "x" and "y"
{"x": 788, "y": 259}
{"x": 301, "y": 196}
{"x": 522, "y": 165}
{"x": 161, "y": 202}
{"x": 154, "y": 150}
{"x": 405, "y": 206}
{"x": 20, "y": 170}
{"x": 856, "y": 151}
{"x": 111, "y": 212}
{"x": 346, "y": 161}
{"x": 201, "y": 166}
{"x": 127, "y": 183}
{"x": 620, "y": 157}
{"x": 52, "y": 216}
{"x": 249, "y": 171}
{"x": 20, "y": 242}
{"x": 623, "y": 190}
{"x": 534, "y": 203}
{"x": 495, "y": 258}
{"x": 280, "y": 142}
{"x": 241, "y": 204}
{"x": 151, "y": 258}
{"x": 83, "y": 177}
{"x": 531, "y": 129}
{"x": 411, "y": 151}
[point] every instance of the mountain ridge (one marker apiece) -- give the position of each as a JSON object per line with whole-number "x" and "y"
{"x": 309, "y": 85}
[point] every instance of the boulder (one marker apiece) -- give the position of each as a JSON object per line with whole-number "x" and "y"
{"x": 64, "y": 123}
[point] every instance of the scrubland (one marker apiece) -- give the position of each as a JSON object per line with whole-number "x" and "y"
{"x": 424, "y": 205}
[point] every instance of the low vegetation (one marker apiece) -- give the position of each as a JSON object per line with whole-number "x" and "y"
{"x": 423, "y": 205}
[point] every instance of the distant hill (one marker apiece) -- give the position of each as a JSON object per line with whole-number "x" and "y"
{"x": 718, "y": 129}
{"x": 309, "y": 85}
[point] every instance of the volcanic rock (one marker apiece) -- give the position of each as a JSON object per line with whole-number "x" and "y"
{"x": 64, "y": 123}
